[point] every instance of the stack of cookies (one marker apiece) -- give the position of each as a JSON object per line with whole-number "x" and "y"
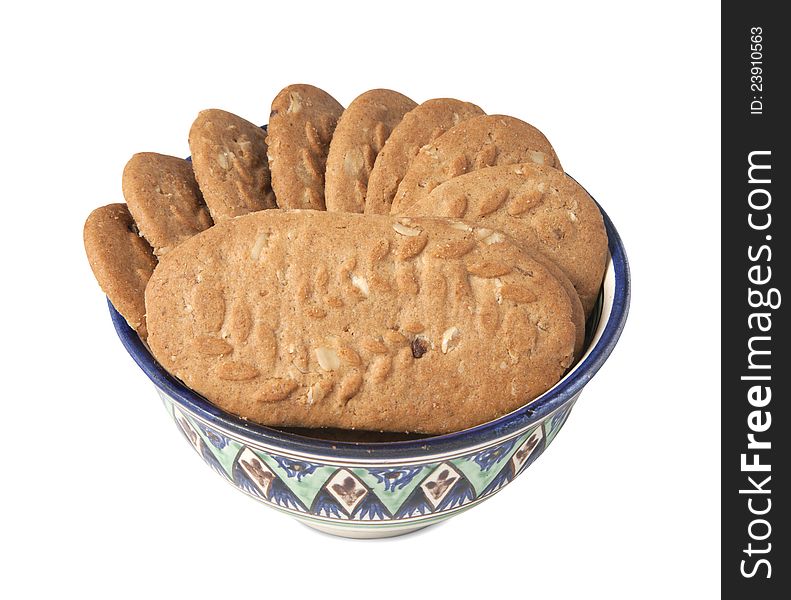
{"x": 388, "y": 267}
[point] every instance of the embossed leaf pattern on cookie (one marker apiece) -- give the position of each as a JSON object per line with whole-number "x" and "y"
{"x": 263, "y": 355}
{"x": 359, "y": 136}
{"x": 301, "y": 125}
{"x": 229, "y": 158}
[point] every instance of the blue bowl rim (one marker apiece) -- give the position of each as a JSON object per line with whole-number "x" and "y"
{"x": 504, "y": 426}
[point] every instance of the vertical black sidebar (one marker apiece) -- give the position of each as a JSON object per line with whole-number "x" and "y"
{"x": 756, "y": 260}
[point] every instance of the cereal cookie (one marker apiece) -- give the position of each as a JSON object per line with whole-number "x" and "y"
{"x": 164, "y": 199}
{"x": 479, "y": 142}
{"x": 121, "y": 260}
{"x": 541, "y": 208}
{"x": 360, "y": 135}
{"x": 577, "y": 311}
{"x": 229, "y": 159}
{"x": 319, "y": 319}
{"x": 421, "y": 125}
{"x": 301, "y": 124}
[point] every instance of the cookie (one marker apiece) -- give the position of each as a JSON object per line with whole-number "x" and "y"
{"x": 164, "y": 199}
{"x": 320, "y": 319}
{"x": 577, "y": 310}
{"x": 301, "y": 124}
{"x": 420, "y": 126}
{"x": 353, "y": 435}
{"x": 361, "y": 133}
{"x": 121, "y": 260}
{"x": 491, "y": 236}
{"x": 229, "y": 159}
{"x": 474, "y": 144}
{"x": 541, "y": 208}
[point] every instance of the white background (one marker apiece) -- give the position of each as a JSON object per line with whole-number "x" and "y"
{"x": 101, "y": 497}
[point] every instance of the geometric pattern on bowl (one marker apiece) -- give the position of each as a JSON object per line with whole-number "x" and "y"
{"x": 338, "y": 492}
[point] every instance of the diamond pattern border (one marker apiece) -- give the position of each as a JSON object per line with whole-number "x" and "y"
{"x": 372, "y": 492}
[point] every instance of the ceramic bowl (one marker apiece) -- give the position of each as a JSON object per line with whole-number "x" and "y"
{"x": 381, "y": 489}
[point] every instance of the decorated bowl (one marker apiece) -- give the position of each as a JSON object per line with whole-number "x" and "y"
{"x": 380, "y": 486}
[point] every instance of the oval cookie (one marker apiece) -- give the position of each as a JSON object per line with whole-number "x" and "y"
{"x": 541, "y": 208}
{"x": 352, "y": 321}
{"x": 121, "y": 260}
{"x": 491, "y": 237}
{"x": 577, "y": 310}
{"x": 301, "y": 124}
{"x": 164, "y": 199}
{"x": 474, "y": 144}
{"x": 229, "y": 159}
{"x": 421, "y": 125}
{"x": 361, "y": 133}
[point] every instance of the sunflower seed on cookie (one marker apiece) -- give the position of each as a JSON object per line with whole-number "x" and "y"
{"x": 164, "y": 200}
{"x": 301, "y": 125}
{"x": 540, "y": 207}
{"x": 230, "y": 164}
{"x": 420, "y": 126}
{"x": 361, "y": 133}
{"x": 476, "y": 143}
{"x": 121, "y": 260}
{"x": 336, "y": 344}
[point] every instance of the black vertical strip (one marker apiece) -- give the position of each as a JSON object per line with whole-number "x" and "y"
{"x": 756, "y": 240}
